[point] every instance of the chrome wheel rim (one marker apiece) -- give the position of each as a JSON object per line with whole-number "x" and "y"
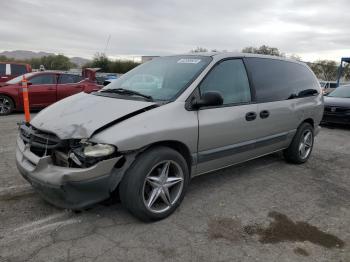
{"x": 5, "y": 105}
{"x": 306, "y": 143}
{"x": 163, "y": 186}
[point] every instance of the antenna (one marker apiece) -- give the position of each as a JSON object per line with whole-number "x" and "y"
{"x": 107, "y": 43}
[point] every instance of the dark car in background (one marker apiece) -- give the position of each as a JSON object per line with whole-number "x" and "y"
{"x": 45, "y": 88}
{"x": 337, "y": 106}
{"x": 9, "y": 70}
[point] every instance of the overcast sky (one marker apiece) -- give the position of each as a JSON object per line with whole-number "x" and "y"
{"x": 313, "y": 29}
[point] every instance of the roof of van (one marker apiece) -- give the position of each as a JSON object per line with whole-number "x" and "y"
{"x": 221, "y": 55}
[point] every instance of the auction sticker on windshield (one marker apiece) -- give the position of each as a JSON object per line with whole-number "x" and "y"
{"x": 188, "y": 61}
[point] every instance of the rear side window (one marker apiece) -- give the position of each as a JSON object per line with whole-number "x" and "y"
{"x": 18, "y": 69}
{"x": 69, "y": 79}
{"x": 2, "y": 69}
{"x": 43, "y": 79}
{"x": 276, "y": 80}
{"x": 228, "y": 78}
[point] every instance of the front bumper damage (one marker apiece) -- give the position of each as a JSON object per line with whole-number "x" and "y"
{"x": 67, "y": 187}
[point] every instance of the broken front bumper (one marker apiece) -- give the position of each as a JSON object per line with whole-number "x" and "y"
{"x": 73, "y": 188}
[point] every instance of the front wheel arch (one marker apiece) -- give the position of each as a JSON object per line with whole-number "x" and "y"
{"x": 177, "y": 146}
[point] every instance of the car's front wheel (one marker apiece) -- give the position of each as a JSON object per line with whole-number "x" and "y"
{"x": 155, "y": 184}
{"x": 6, "y": 105}
{"x": 302, "y": 144}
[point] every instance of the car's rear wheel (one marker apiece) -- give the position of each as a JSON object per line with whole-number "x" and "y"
{"x": 6, "y": 105}
{"x": 302, "y": 144}
{"x": 155, "y": 184}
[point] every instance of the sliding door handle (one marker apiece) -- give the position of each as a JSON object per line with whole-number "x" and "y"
{"x": 264, "y": 114}
{"x": 250, "y": 116}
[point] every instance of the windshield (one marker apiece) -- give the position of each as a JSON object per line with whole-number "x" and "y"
{"x": 162, "y": 78}
{"x": 342, "y": 91}
{"x": 18, "y": 79}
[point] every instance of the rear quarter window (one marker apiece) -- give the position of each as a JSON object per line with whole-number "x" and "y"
{"x": 18, "y": 69}
{"x": 69, "y": 79}
{"x": 276, "y": 80}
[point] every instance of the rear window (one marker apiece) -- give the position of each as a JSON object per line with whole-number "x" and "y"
{"x": 18, "y": 69}
{"x": 69, "y": 79}
{"x": 276, "y": 80}
{"x": 2, "y": 69}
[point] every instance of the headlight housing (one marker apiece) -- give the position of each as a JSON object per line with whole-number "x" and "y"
{"x": 98, "y": 150}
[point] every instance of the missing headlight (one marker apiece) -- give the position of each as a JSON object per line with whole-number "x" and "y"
{"x": 83, "y": 154}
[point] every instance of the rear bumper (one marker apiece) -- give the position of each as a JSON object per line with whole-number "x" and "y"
{"x": 72, "y": 188}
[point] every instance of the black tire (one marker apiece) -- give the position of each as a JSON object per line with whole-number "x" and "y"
{"x": 6, "y": 105}
{"x": 132, "y": 187}
{"x": 293, "y": 154}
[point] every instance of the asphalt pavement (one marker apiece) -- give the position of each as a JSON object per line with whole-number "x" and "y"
{"x": 261, "y": 210}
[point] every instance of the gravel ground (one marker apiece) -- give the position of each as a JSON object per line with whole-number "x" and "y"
{"x": 262, "y": 210}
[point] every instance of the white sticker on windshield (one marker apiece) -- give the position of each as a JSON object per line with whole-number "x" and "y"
{"x": 188, "y": 61}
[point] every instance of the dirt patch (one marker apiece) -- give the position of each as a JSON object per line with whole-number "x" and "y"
{"x": 168, "y": 252}
{"x": 301, "y": 251}
{"x": 226, "y": 228}
{"x": 284, "y": 229}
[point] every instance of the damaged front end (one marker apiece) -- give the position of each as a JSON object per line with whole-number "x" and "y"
{"x": 70, "y": 173}
{"x": 75, "y": 153}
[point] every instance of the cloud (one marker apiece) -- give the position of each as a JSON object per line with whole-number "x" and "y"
{"x": 81, "y": 27}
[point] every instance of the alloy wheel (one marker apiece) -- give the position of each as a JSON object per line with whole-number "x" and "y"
{"x": 163, "y": 186}
{"x": 306, "y": 144}
{"x": 5, "y": 105}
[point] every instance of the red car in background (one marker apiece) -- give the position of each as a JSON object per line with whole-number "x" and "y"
{"x": 45, "y": 88}
{"x": 9, "y": 70}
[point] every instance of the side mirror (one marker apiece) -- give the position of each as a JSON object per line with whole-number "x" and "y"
{"x": 307, "y": 92}
{"x": 208, "y": 99}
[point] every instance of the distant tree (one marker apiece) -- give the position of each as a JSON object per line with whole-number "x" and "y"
{"x": 295, "y": 57}
{"x": 325, "y": 69}
{"x": 120, "y": 66}
{"x": 263, "y": 50}
{"x": 346, "y": 72}
{"x": 51, "y": 62}
{"x": 100, "y": 60}
{"x": 199, "y": 50}
{"x": 5, "y": 58}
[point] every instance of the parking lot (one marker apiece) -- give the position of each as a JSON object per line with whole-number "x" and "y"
{"x": 262, "y": 210}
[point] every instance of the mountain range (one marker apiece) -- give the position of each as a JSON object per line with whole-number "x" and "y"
{"x": 24, "y": 54}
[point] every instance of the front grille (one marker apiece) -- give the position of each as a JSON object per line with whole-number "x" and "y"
{"x": 336, "y": 109}
{"x": 37, "y": 138}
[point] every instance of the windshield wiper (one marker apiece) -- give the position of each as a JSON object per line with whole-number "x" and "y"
{"x": 125, "y": 92}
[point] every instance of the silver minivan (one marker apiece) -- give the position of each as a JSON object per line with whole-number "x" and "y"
{"x": 145, "y": 137}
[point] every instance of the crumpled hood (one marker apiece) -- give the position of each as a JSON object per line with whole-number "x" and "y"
{"x": 78, "y": 116}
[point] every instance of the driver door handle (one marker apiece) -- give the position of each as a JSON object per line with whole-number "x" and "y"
{"x": 250, "y": 116}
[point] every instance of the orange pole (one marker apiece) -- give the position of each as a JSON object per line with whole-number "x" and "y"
{"x": 25, "y": 99}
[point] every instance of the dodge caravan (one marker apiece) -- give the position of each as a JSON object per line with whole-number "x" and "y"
{"x": 145, "y": 139}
